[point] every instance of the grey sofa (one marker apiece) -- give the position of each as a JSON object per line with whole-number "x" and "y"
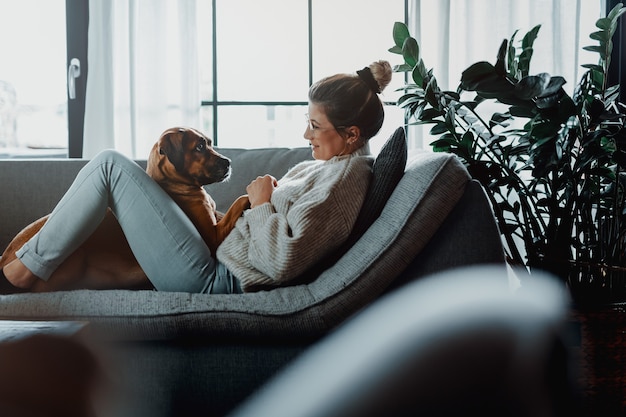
{"x": 192, "y": 354}
{"x": 455, "y": 343}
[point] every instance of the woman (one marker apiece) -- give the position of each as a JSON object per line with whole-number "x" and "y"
{"x": 291, "y": 224}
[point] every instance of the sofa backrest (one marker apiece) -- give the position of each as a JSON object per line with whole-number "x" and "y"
{"x": 30, "y": 188}
{"x": 248, "y": 164}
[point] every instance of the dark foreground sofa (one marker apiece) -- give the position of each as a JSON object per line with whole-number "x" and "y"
{"x": 192, "y": 354}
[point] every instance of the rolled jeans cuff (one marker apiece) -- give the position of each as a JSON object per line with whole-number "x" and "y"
{"x": 36, "y": 264}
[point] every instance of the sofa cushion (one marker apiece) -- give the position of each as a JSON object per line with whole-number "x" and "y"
{"x": 432, "y": 185}
{"x": 429, "y": 189}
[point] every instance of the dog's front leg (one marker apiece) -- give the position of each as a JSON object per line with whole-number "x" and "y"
{"x": 227, "y": 222}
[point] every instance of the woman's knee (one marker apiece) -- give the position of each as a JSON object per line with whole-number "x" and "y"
{"x": 110, "y": 155}
{"x": 111, "y": 158}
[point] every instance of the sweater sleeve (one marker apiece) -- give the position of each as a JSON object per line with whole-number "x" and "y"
{"x": 284, "y": 246}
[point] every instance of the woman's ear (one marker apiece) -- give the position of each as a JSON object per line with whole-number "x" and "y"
{"x": 353, "y": 134}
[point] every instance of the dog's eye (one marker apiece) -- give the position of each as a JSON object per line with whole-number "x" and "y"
{"x": 200, "y": 146}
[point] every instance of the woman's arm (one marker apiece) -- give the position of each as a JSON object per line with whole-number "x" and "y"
{"x": 285, "y": 246}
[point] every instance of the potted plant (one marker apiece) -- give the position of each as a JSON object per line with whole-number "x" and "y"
{"x": 553, "y": 165}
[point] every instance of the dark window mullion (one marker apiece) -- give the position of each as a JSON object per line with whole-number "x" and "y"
{"x": 254, "y": 103}
{"x": 77, "y": 23}
{"x": 214, "y": 98}
{"x": 310, "y": 24}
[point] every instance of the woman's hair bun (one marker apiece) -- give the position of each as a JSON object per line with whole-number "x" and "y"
{"x": 382, "y": 72}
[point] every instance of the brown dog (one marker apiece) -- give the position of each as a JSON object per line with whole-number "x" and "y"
{"x": 181, "y": 162}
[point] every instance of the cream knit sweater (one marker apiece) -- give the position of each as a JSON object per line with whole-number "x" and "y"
{"x": 311, "y": 212}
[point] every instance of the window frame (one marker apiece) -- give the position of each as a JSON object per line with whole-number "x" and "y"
{"x": 77, "y": 15}
{"x": 77, "y": 28}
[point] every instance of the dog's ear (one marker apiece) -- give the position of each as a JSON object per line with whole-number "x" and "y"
{"x": 172, "y": 147}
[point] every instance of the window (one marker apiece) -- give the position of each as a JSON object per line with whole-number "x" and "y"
{"x": 33, "y": 101}
{"x": 255, "y": 60}
{"x": 256, "y": 64}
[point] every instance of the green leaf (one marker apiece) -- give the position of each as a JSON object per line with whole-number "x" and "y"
{"x": 449, "y": 118}
{"x": 410, "y": 51}
{"x": 439, "y": 128}
{"x": 593, "y": 67}
{"x": 470, "y": 104}
{"x": 417, "y": 109}
{"x": 475, "y": 75}
{"x": 530, "y": 37}
{"x": 604, "y": 23}
{"x": 408, "y": 99}
{"x": 467, "y": 142}
{"x": 500, "y": 66}
{"x": 444, "y": 143}
{"x": 431, "y": 114}
{"x": 499, "y": 119}
{"x": 600, "y": 35}
{"x": 400, "y": 33}
{"x": 417, "y": 75}
{"x": 566, "y": 107}
{"x": 452, "y": 96}
{"x": 616, "y": 12}
{"x": 532, "y": 86}
{"x": 593, "y": 48}
{"x": 544, "y": 133}
{"x": 524, "y": 61}
{"x": 511, "y": 63}
{"x": 554, "y": 84}
{"x": 402, "y": 68}
{"x": 522, "y": 111}
{"x": 597, "y": 79}
{"x": 612, "y": 93}
{"x": 430, "y": 92}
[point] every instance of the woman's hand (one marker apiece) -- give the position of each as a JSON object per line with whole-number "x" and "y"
{"x": 260, "y": 190}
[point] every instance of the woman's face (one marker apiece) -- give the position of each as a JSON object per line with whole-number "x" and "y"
{"x": 325, "y": 140}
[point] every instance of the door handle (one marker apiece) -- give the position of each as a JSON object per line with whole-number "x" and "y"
{"x": 73, "y": 72}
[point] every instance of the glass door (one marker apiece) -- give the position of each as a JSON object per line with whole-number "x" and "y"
{"x": 34, "y": 78}
{"x": 33, "y": 99}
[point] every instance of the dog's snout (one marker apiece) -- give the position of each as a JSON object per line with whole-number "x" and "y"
{"x": 220, "y": 168}
{"x": 224, "y": 166}
{"x": 224, "y": 162}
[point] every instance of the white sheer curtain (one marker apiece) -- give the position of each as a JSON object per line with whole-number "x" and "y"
{"x": 143, "y": 73}
{"x": 453, "y": 34}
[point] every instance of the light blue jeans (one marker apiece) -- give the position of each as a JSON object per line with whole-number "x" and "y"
{"x": 163, "y": 239}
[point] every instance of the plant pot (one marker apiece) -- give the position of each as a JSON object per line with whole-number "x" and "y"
{"x": 597, "y": 285}
{"x": 601, "y": 357}
{"x": 599, "y": 311}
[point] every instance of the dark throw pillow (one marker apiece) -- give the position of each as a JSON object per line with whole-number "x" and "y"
{"x": 387, "y": 170}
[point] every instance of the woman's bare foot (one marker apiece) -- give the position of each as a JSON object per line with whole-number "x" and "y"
{"x": 18, "y": 275}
